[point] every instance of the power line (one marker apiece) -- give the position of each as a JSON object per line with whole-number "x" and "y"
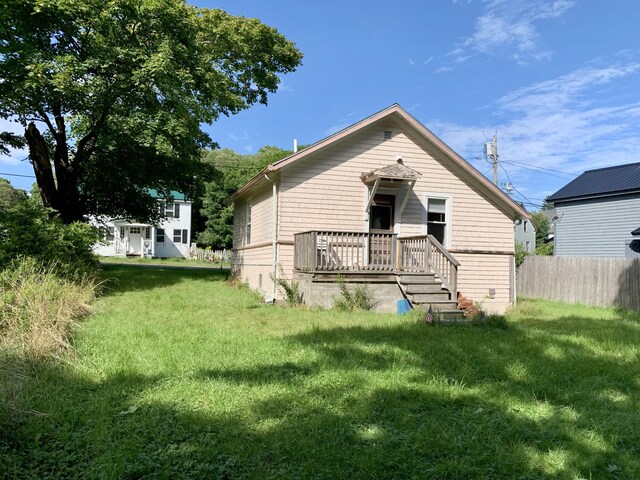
{"x": 536, "y": 168}
{"x": 17, "y": 175}
{"x": 529, "y": 202}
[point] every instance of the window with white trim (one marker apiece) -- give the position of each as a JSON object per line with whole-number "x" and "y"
{"x": 172, "y": 210}
{"x": 248, "y": 225}
{"x": 438, "y": 221}
{"x": 135, "y": 230}
{"x": 160, "y": 235}
{"x": 180, "y": 236}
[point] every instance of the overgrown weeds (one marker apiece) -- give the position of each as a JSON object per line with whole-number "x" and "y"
{"x": 290, "y": 288}
{"x": 358, "y": 298}
{"x": 39, "y": 308}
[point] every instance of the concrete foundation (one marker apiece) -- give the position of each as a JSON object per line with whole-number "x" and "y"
{"x": 322, "y": 290}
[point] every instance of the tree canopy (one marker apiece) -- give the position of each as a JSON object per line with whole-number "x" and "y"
{"x": 112, "y": 94}
{"x": 231, "y": 171}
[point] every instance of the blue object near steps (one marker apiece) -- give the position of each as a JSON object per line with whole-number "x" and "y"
{"x": 403, "y": 306}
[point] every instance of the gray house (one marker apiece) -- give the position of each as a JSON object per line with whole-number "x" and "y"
{"x": 525, "y": 234}
{"x": 598, "y": 214}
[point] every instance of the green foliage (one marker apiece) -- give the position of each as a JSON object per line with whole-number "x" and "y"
{"x": 542, "y": 226}
{"x": 27, "y": 229}
{"x": 10, "y": 196}
{"x": 290, "y": 288}
{"x": 120, "y": 89}
{"x": 545, "y": 249}
{"x": 39, "y": 307}
{"x": 360, "y": 298}
{"x": 521, "y": 253}
{"x": 230, "y": 171}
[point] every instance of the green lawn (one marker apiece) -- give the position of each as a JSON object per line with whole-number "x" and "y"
{"x": 179, "y": 375}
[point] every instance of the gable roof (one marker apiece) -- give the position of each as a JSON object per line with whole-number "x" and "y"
{"x": 395, "y": 112}
{"x": 602, "y": 181}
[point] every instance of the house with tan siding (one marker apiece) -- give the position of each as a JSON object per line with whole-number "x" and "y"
{"x": 383, "y": 202}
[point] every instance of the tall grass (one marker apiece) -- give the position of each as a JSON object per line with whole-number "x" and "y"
{"x": 39, "y": 307}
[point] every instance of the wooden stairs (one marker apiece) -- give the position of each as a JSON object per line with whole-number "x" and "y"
{"x": 425, "y": 290}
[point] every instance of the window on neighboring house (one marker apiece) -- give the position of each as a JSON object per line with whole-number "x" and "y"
{"x": 437, "y": 221}
{"x": 248, "y": 224}
{"x": 180, "y": 236}
{"x": 160, "y": 235}
{"x": 147, "y": 233}
{"x": 121, "y": 233}
{"x": 525, "y": 225}
{"x": 135, "y": 230}
{"x": 108, "y": 233}
{"x": 172, "y": 210}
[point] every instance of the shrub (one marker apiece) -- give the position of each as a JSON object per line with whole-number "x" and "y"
{"x": 38, "y": 308}
{"x": 291, "y": 290}
{"x": 27, "y": 229}
{"x": 521, "y": 253}
{"x": 360, "y": 298}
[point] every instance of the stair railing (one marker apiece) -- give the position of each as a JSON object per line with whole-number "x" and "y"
{"x": 426, "y": 254}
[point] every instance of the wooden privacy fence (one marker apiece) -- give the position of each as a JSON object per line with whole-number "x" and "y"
{"x": 610, "y": 282}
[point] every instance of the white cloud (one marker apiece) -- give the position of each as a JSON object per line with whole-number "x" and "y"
{"x": 412, "y": 62}
{"x": 510, "y": 29}
{"x": 568, "y": 124}
{"x": 239, "y": 137}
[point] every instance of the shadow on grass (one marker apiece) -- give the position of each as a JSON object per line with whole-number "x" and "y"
{"x": 118, "y": 278}
{"x": 403, "y": 401}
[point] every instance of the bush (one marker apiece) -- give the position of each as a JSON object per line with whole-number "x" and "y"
{"x": 360, "y": 298}
{"x": 27, "y": 229}
{"x": 38, "y": 308}
{"x": 291, "y": 290}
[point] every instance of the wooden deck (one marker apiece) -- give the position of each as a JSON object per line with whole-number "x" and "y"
{"x": 320, "y": 251}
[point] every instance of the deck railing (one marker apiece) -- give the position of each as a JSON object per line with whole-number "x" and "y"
{"x": 425, "y": 254}
{"x": 320, "y": 250}
{"x": 336, "y": 251}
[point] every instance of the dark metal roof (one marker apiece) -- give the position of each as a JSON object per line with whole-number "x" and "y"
{"x": 602, "y": 181}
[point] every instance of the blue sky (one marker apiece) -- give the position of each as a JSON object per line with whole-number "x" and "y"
{"x": 558, "y": 79}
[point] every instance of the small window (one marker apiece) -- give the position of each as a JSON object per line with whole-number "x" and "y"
{"x": 160, "y": 235}
{"x": 437, "y": 218}
{"x": 121, "y": 233}
{"x": 177, "y": 236}
{"x": 169, "y": 210}
{"x": 147, "y": 233}
{"x": 526, "y": 224}
{"x": 248, "y": 226}
{"x": 135, "y": 230}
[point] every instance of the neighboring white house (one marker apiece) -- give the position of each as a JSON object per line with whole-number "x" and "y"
{"x": 169, "y": 238}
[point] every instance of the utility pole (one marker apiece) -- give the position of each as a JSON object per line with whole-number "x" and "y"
{"x": 491, "y": 150}
{"x": 495, "y": 158}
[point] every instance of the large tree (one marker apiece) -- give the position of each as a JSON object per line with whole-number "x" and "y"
{"x": 112, "y": 93}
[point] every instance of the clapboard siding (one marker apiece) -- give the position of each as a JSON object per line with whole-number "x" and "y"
{"x": 261, "y": 219}
{"x": 596, "y": 227}
{"x": 325, "y": 192}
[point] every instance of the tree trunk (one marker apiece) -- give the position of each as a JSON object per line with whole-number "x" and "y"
{"x": 60, "y": 192}
{"x": 39, "y": 155}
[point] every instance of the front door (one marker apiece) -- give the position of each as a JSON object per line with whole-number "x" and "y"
{"x": 381, "y": 222}
{"x": 135, "y": 241}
